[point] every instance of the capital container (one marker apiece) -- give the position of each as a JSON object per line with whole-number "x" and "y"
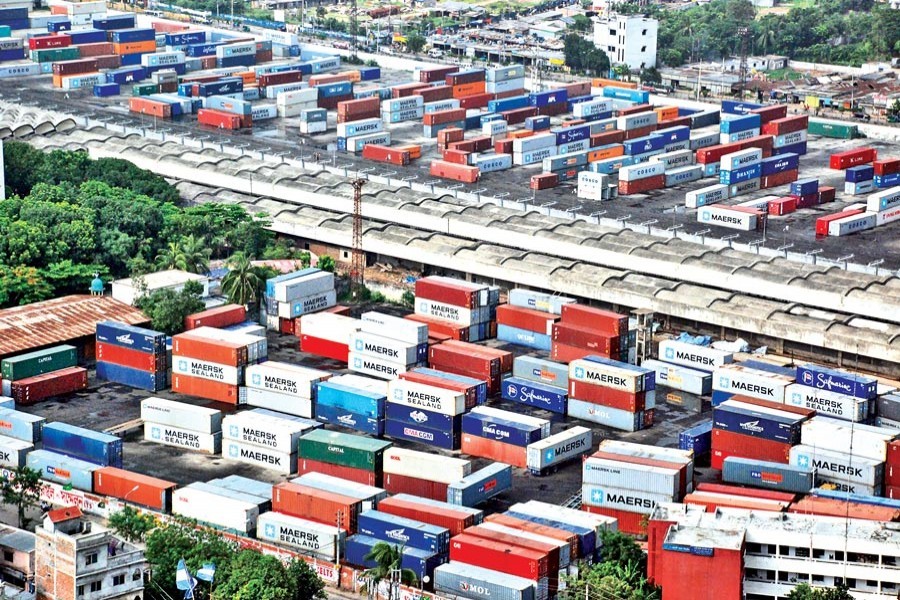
{"x": 369, "y": 496}
{"x": 553, "y": 451}
{"x": 21, "y": 425}
{"x": 180, "y": 414}
{"x": 128, "y": 336}
{"x": 62, "y": 469}
{"x": 460, "y": 579}
{"x": 833, "y": 465}
{"x": 505, "y": 558}
{"x": 316, "y": 505}
{"x": 697, "y": 439}
{"x": 13, "y": 452}
{"x": 84, "y": 444}
{"x": 38, "y": 363}
{"x": 481, "y": 485}
{"x": 134, "y": 487}
{"x": 308, "y": 537}
{"x": 343, "y": 449}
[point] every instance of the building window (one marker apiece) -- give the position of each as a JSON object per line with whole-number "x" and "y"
{"x": 81, "y": 590}
{"x": 643, "y": 48}
{"x": 136, "y": 576}
{"x": 119, "y": 580}
{"x": 801, "y": 552}
{"x": 90, "y": 559}
{"x": 644, "y": 32}
{"x": 612, "y": 32}
{"x": 8, "y": 556}
{"x": 96, "y": 586}
{"x": 345, "y": 254}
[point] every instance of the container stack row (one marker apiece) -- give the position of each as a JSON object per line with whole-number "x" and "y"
{"x": 293, "y": 295}
{"x": 135, "y": 356}
{"x": 528, "y": 319}
{"x": 386, "y": 346}
{"x": 210, "y": 363}
{"x": 35, "y": 376}
{"x": 456, "y": 308}
{"x": 612, "y": 393}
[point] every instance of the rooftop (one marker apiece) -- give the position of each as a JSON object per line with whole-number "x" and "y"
{"x": 41, "y": 324}
{"x": 699, "y": 537}
{"x": 66, "y": 513}
{"x": 17, "y": 539}
{"x": 163, "y": 279}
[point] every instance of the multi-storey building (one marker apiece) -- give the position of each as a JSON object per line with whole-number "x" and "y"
{"x": 627, "y": 40}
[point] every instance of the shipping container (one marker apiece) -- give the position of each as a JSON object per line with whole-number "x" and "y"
{"x": 369, "y": 496}
{"x": 135, "y": 488}
{"x": 179, "y": 414}
{"x": 463, "y": 580}
{"x": 833, "y": 380}
{"x": 137, "y": 338}
{"x": 768, "y": 475}
{"x": 173, "y": 435}
{"x": 207, "y": 505}
{"x": 308, "y": 537}
{"x": 481, "y": 485}
{"x": 83, "y": 444}
{"x": 38, "y": 363}
{"x": 62, "y": 469}
{"x": 316, "y": 505}
{"x": 343, "y": 449}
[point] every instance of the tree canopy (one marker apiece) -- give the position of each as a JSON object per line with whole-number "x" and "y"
{"x": 621, "y": 572}
{"x": 805, "y": 592}
{"x": 583, "y": 56}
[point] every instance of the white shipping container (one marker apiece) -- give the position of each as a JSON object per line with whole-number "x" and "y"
{"x": 13, "y": 452}
{"x": 443, "y": 311}
{"x": 852, "y": 224}
{"x": 831, "y": 404}
{"x": 730, "y": 138}
{"x": 634, "y": 501}
{"x": 183, "y": 365}
{"x": 374, "y": 366}
{"x": 351, "y": 128}
{"x": 295, "y": 97}
{"x": 501, "y": 87}
{"x": 284, "y": 378}
{"x": 606, "y": 375}
{"x": 376, "y": 386}
{"x": 736, "y": 379}
{"x": 397, "y": 328}
{"x": 838, "y": 466}
{"x": 592, "y": 107}
{"x": 301, "y": 287}
{"x": 309, "y": 537}
{"x": 628, "y": 476}
{"x": 692, "y": 355}
{"x": 704, "y": 139}
{"x": 681, "y": 378}
{"x": 644, "y": 119}
{"x": 310, "y": 128}
{"x": 426, "y": 397}
{"x": 449, "y": 104}
{"x": 558, "y": 448}
{"x": 384, "y": 347}
{"x": 745, "y": 187}
{"x": 858, "y": 188}
{"x": 266, "y": 431}
{"x": 285, "y": 403}
{"x": 329, "y": 326}
{"x": 494, "y": 128}
{"x": 705, "y": 196}
{"x": 266, "y": 458}
{"x": 883, "y": 200}
{"x": 724, "y": 216}
{"x": 532, "y": 143}
{"x": 788, "y": 139}
{"x": 307, "y": 304}
{"x": 213, "y": 509}
{"x": 181, "y": 414}
{"x": 833, "y": 434}
{"x": 593, "y": 186}
{"x": 536, "y": 508}
{"x": 887, "y": 216}
{"x": 740, "y": 159}
{"x": 674, "y": 455}
{"x": 672, "y": 160}
{"x": 642, "y": 171}
{"x": 425, "y": 465}
{"x": 676, "y": 146}
{"x": 170, "y": 435}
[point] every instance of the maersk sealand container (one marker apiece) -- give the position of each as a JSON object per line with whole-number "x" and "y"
{"x": 92, "y": 446}
{"x": 406, "y": 532}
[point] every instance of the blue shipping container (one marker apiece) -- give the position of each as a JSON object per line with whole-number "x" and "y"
{"x": 21, "y": 425}
{"x": 566, "y": 135}
{"x": 675, "y": 134}
{"x": 531, "y": 393}
{"x": 524, "y": 337}
{"x": 422, "y": 562}
{"x": 500, "y": 430}
{"x": 87, "y": 36}
{"x": 363, "y": 402}
{"x": 128, "y": 336}
{"x": 779, "y": 164}
{"x": 769, "y": 475}
{"x": 335, "y": 89}
{"x": 351, "y": 420}
{"x": 636, "y": 96}
{"x": 644, "y": 145}
{"x": 769, "y": 368}
{"x": 798, "y": 149}
{"x": 403, "y": 531}
{"x": 739, "y": 123}
{"x": 883, "y": 181}
{"x": 62, "y": 469}
{"x": 480, "y": 486}
{"x": 757, "y": 424}
{"x": 369, "y": 73}
{"x": 448, "y": 440}
{"x": 425, "y": 418}
{"x": 512, "y": 103}
{"x": 126, "y": 75}
{"x": 12, "y": 14}
{"x": 184, "y": 38}
{"x": 540, "y": 99}
{"x": 103, "y": 90}
{"x": 698, "y": 439}
{"x": 83, "y": 444}
{"x": 129, "y": 36}
{"x": 803, "y": 187}
{"x": 536, "y": 123}
{"x": 743, "y": 174}
{"x": 207, "y": 49}
{"x": 734, "y": 107}
{"x": 860, "y": 173}
{"x": 57, "y": 26}
{"x": 115, "y": 22}
{"x": 131, "y": 60}
{"x": 832, "y": 380}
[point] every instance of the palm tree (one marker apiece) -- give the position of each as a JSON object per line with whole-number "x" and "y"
{"x": 168, "y": 257}
{"x": 388, "y": 557}
{"x": 765, "y": 40}
{"x": 194, "y": 255}
{"x": 242, "y": 281}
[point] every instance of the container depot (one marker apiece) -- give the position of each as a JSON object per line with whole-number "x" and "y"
{"x": 92, "y": 446}
{"x": 308, "y": 537}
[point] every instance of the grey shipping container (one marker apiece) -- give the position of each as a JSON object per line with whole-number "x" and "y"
{"x": 888, "y": 406}
{"x": 541, "y": 370}
{"x": 13, "y": 452}
{"x": 769, "y": 475}
{"x": 63, "y": 469}
{"x": 481, "y": 485}
{"x": 475, "y": 583}
{"x": 244, "y": 485}
{"x": 21, "y": 425}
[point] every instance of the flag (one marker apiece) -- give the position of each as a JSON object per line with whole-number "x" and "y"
{"x": 183, "y": 579}
{"x": 207, "y": 572}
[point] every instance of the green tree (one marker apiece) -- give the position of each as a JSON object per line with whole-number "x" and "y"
{"x": 254, "y": 576}
{"x": 415, "y": 42}
{"x": 622, "y": 71}
{"x": 308, "y": 584}
{"x": 621, "y": 573}
{"x": 167, "y": 308}
{"x": 242, "y": 282}
{"x": 131, "y": 524}
{"x": 651, "y": 75}
{"x": 22, "y": 166}
{"x": 805, "y": 592}
{"x": 326, "y": 263}
{"x": 388, "y": 557}
{"x": 187, "y": 254}
{"x": 581, "y": 24}
{"x": 582, "y": 55}
{"x": 305, "y": 259}
{"x": 169, "y": 543}
{"x": 22, "y": 489}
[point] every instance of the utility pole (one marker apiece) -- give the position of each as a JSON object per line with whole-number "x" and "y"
{"x": 744, "y": 34}
{"x": 354, "y": 24}
{"x": 358, "y": 264}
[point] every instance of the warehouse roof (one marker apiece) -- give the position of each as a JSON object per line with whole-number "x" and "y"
{"x": 57, "y": 321}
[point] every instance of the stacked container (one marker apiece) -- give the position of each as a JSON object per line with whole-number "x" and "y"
{"x": 133, "y": 356}
{"x": 236, "y": 512}
{"x": 757, "y": 429}
{"x": 538, "y": 382}
{"x": 300, "y": 293}
{"x": 369, "y": 496}
{"x": 353, "y": 402}
{"x": 611, "y": 393}
{"x": 317, "y": 505}
{"x": 282, "y": 387}
{"x": 209, "y": 363}
{"x": 520, "y": 322}
{"x": 352, "y": 457}
{"x": 21, "y": 431}
{"x": 30, "y": 378}
{"x": 422, "y": 473}
{"x": 327, "y": 335}
{"x": 844, "y": 470}
{"x": 584, "y": 330}
{"x": 735, "y": 379}
{"x": 82, "y": 444}
{"x": 465, "y": 311}
{"x": 453, "y": 517}
{"x": 833, "y": 393}
{"x": 481, "y": 486}
{"x": 263, "y": 438}
{"x": 852, "y": 454}
{"x": 221, "y": 316}
{"x": 471, "y": 360}
{"x": 501, "y": 435}
{"x": 182, "y": 425}
{"x": 387, "y": 346}
{"x": 320, "y": 540}
{"x": 421, "y": 410}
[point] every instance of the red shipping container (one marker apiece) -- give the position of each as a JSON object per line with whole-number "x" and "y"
{"x": 463, "y": 358}
{"x": 526, "y": 318}
{"x": 471, "y": 392}
{"x": 443, "y": 328}
{"x": 582, "y": 337}
{"x": 505, "y": 357}
{"x": 359, "y": 109}
{"x": 482, "y": 143}
{"x": 729, "y": 443}
{"x": 49, "y": 41}
{"x": 786, "y": 125}
{"x": 823, "y": 222}
{"x": 629, "y": 522}
{"x": 331, "y": 103}
{"x": 164, "y": 26}
{"x": 492, "y": 381}
{"x": 512, "y": 560}
{"x": 216, "y": 351}
{"x": 714, "y": 501}
{"x": 436, "y": 74}
{"x": 327, "y": 78}
{"x": 447, "y": 170}
{"x": 763, "y": 142}
{"x": 444, "y": 116}
{"x": 437, "y": 338}
{"x": 457, "y": 157}
{"x": 205, "y": 388}
{"x": 322, "y": 347}
{"x": 305, "y": 465}
{"x": 826, "y": 194}
{"x": 782, "y": 206}
{"x": 544, "y": 181}
{"x": 679, "y": 122}
{"x": 634, "y": 110}
{"x": 95, "y": 49}
{"x": 493, "y": 450}
{"x": 545, "y": 530}
{"x": 736, "y": 490}
{"x": 109, "y": 61}
{"x": 577, "y": 89}
{"x": 455, "y": 521}
{"x": 286, "y": 326}
{"x": 435, "y": 93}
{"x": 128, "y": 357}
{"x": 607, "y": 321}
{"x": 218, "y": 118}
{"x": 134, "y": 487}
{"x": 892, "y": 492}
{"x": 406, "y": 89}
{"x": 616, "y": 136}
{"x": 807, "y": 413}
{"x": 770, "y": 113}
{"x": 548, "y": 549}
{"x": 713, "y": 154}
{"x": 640, "y": 186}
{"x": 263, "y": 56}
{"x": 316, "y": 505}
{"x": 462, "y": 146}
{"x": 892, "y": 465}
{"x": 564, "y": 353}
{"x": 475, "y": 100}
{"x": 604, "y": 396}
{"x": 465, "y": 77}
{"x": 386, "y": 154}
{"x": 40, "y": 387}
{"x": 783, "y": 178}
{"x": 887, "y": 166}
{"x": 831, "y": 507}
{"x": 222, "y": 316}
{"x": 266, "y": 79}
{"x": 808, "y": 200}
{"x": 504, "y": 146}
{"x": 152, "y": 108}
{"x": 639, "y": 132}
{"x": 517, "y": 116}
{"x": 402, "y": 484}
{"x": 852, "y": 158}
{"x": 448, "y": 292}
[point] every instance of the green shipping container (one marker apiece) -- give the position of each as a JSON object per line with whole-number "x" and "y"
{"x": 144, "y": 89}
{"x": 343, "y": 449}
{"x": 55, "y": 54}
{"x": 38, "y": 363}
{"x": 833, "y": 130}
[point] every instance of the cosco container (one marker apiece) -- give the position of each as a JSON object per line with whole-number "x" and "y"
{"x": 100, "y": 448}
{"x": 553, "y": 451}
{"x": 38, "y": 363}
{"x": 172, "y": 435}
{"x": 308, "y": 537}
{"x": 21, "y": 425}
{"x": 63, "y": 469}
{"x": 762, "y": 474}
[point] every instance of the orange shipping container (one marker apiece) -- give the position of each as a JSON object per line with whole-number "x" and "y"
{"x": 205, "y": 388}
{"x": 316, "y": 505}
{"x": 600, "y": 82}
{"x": 248, "y": 77}
{"x": 468, "y": 89}
{"x": 604, "y": 153}
{"x": 494, "y": 450}
{"x": 517, "y": 135}
{"x": 415, "y": 151}
{"x": 217, "y": 351}
{"x": 353, "y": 75}
{"x": 667, "y": 113}
{"x": 134, "y": 487}
{"x": 135, "y": 47}
{"x": 152, "y": 108}
{"x": 57, "y": 81}
{"x": 317, "y": 80}
{"x": 447, "y": 170}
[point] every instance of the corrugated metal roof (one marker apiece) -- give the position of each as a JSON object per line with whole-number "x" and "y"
{"x": 61, "y": 320}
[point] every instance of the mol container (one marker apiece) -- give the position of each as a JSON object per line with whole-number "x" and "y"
{"x": 478, "y": 583}
{"x": 84, "y": 444}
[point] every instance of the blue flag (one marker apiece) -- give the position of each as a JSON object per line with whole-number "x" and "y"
{"x": 184, "y": 580}
{"x": 207, "y": 572}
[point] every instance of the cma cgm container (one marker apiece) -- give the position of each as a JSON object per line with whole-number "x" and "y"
{"x": 84, "y": 444}
{"x": 134, "y": 487}
{"x": 38, "y": 363}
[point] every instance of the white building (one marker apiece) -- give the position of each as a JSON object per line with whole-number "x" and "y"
{"x": 781, "y": 550}
{"x": 129, "y": 290}
{"x": 628, "y": 40}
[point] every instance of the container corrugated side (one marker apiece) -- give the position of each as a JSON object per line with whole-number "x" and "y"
{"x": 831, "y": 434}
{"x": 368, "y": 494}
{"x": 477, "y": 583}
{"x": 169, "y": 435}
{"x": 343, "y": 449}
{"x": 21, "y": 425}
{"x": 840, "y": 466}
{"x": 63, "y": 469}
{"x": 558, "y": 448}
{"x": 266, "y": 458}
{"x": 764, "y": 474}
{"x": 84, "y": 444}
{"x": 181, "y": 415}
{"x": 636, "y": 501}
{"x": 481, "y": 486}
{"x": 272, "y": 433}
{"x": 214, "y": 509}
{"x": 434, "y": 467}
{"x": 13, "y": 452}
{"x": 407, "y": 532}
{"x": 308, "y": 537}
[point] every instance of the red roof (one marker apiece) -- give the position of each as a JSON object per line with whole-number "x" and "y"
{"x": 61, "y": 320}
{"x": 66, "y": 513}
